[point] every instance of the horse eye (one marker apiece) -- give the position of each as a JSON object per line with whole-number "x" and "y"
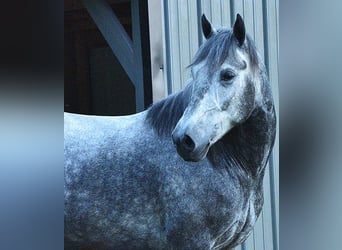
{"x": 227, "y": 75}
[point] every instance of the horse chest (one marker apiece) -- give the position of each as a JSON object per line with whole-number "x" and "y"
{"x": 237, "y": 231}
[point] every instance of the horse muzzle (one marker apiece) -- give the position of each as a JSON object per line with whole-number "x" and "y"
{"x": 188, "y": 149}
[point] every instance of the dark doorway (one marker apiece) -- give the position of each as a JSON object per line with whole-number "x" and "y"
{"x": 94, "y": 80}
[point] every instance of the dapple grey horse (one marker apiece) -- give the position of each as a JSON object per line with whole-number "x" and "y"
{"x": 185, "y": 174}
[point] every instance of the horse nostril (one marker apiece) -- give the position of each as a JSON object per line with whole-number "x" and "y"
{"x": 188, "y": 143}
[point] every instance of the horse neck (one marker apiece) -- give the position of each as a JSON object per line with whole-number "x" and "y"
{"x": 255, "y": 139}
{"x": 249, "y": 144}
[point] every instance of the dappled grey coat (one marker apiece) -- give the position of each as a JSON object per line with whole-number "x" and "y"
{"x": 128, "y": 187}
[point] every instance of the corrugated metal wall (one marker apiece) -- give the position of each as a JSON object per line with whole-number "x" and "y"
{"x": 182, "y": 37}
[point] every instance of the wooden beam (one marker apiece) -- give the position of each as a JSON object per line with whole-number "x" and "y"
{"x": 115, "y": 35}
{"x": 141, "y": 45}
{"x": 139, "y": 86}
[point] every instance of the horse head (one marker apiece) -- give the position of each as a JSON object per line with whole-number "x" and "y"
{"x": 225, "y": 88}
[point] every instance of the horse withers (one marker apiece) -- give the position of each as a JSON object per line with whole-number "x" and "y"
{"x": 185, "y": 174}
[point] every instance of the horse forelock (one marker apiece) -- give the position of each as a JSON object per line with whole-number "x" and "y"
{"x": 221, "y": 46}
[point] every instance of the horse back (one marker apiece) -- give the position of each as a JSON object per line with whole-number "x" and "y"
{"x": 109, "y": 186}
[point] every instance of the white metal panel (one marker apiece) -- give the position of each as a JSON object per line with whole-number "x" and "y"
{"x": 258, "y": 26}
{"x": 183, "y": 34}
{"x": 216, "y": 12}
{"x": 193, "y": 31}
{"x": 155, "y": 21}
{"x": 225, "y": 13}
{"x": 174, "y": 69}
{"x": 271, "y": 16}
{"x": 184, "y": 43}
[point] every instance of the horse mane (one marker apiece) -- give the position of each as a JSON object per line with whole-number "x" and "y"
{"x": 165, "y": 114}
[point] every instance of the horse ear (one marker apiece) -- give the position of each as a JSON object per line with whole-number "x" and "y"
{"x": 206, "y": 27}
{"x": 239, "y": 29}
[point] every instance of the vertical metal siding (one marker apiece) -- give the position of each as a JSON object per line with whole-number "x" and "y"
{"x": 182, "y": 38}
{"x": 271, "y": 37}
